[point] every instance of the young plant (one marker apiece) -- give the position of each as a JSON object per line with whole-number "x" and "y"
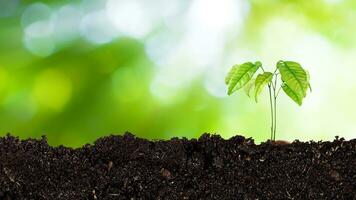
{"x": 294, "y": 81}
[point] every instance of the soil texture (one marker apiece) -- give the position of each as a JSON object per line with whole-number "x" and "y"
{"x": 126, "y": 167}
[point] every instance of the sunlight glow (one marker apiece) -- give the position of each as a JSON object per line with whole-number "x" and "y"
{"x": 34, "y": 13}
{"x": 52, "y": 89}
{"x": 129, "y": 17}
{"x": 38, "y": 27}
{"x": 97, "y": 28}
{"x": 66, "y": 22}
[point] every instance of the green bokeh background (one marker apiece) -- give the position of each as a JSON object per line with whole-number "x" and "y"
{"x": 79, "y": 70}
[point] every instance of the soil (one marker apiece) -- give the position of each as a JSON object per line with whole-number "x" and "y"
{"x": 126, "y": 167}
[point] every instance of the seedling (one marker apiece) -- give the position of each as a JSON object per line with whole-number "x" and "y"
{"x": 294, "y": 81}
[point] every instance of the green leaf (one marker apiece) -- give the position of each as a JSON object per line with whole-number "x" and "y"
{"x": 261, "y": 81}
{"x": 240, "y": 75}
{"x": 231, "y": 73}
{"x": 294, "y": 76}
{"x": 248, "y": 87}
{"x": 296, "y": 97}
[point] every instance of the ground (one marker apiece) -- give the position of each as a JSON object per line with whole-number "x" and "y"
{"x": 126, "y": 167}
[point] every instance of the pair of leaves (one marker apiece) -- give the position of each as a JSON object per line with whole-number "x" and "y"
{"x": 295, "y": 80}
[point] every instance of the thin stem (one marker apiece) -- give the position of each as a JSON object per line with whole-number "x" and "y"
{"x": 262, "y": 68}
{"x": 275, "y": 71}
{"x": 275, "y": 109}
{"x": 278, "y": 91}
{"x": 270, "y": 100}
{"x": 275, "y": 78}
{"x": 275, "y": 119}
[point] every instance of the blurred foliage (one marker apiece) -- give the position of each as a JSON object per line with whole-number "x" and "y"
{"x": 332, "y": 18}
{"x": 75, "y": 87}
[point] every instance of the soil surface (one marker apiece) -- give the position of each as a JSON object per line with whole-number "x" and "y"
{"x": 126, "y": 167}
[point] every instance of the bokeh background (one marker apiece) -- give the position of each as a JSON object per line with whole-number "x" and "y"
{"x": 78, "y": 70}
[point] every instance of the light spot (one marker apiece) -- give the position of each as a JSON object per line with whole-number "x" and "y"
{"x": 201, "y": 47}
{"x": 130, "y": 17}
{"x": 66, "y": 23}
{"x": 218, "y": 15}
{"x": 38, "y": 28}
{"x": 160, "y": 45}
{"x": 40, "y": 46}
{"x": 52, "y": 89}
{"x": 34, "y": 13}
{"x": 96, "y": 28}
{"x": 166, "y": 90}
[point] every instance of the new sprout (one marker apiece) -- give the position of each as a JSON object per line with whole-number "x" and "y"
{"x": 288, "y": 76}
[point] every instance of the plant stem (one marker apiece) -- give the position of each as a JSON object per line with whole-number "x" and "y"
{"x": 262, "y": 68}
{"x": 275, "y": 107}
{"x": 275, "y": 117}
{"x": 270, "y": 100}
{"x": 278, "y": 91}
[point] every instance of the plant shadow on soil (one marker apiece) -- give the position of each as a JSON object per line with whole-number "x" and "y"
{"x": 126, "y": 167}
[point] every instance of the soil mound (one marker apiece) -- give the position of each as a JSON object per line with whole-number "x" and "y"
{"x": 126, "y": 167}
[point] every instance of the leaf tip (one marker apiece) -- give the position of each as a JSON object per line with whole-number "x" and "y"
{"x": 229, "y": 92}
{"x": 280, "y": 62}
{"x": 258, "y": 63}
{"x": 300, "y": 102}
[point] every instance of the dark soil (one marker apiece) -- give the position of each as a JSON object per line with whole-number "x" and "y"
{"x": 125, "y": 167}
